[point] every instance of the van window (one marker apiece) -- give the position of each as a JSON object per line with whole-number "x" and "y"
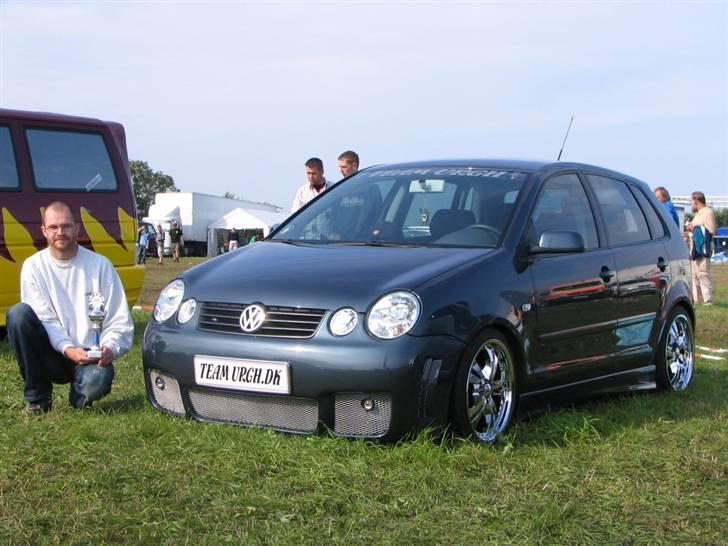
{"x": 75, "y": 161}
{"x": 8, "y": 168}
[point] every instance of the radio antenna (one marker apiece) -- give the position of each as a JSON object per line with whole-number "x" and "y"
{"x": 565, "y": 137}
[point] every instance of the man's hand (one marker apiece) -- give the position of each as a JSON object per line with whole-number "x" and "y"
{"x": 80, "y": 356}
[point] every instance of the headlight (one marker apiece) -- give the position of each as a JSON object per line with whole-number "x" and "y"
{"x": 393, "y": 315}
{"x": 187, "y": 310}
{"x": 343, "y": 321}
{"x": 169, "y": 300}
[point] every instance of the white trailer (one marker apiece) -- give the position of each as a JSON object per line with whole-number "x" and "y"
{"x": 195, "y": 212}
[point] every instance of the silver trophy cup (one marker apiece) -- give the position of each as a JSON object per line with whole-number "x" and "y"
{"x": 96, "y": 315}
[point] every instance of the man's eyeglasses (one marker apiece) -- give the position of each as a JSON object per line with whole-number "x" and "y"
{"x": 59, "y": 227}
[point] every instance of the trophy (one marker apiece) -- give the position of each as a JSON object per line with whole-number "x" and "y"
{"x": 96, "y": 315}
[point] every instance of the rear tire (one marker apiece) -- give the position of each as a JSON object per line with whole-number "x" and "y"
{"x": 484, "y": 395}
{"x": 676, "y": 352}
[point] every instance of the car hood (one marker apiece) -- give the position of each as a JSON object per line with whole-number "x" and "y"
{"x": 319, "y": 276}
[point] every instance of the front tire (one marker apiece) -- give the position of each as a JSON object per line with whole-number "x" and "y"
{"x": 676, "y": 352}
{"x": 484, "y": 397}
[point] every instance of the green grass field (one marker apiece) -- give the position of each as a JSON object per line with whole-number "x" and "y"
{"x": 643, "y": 469}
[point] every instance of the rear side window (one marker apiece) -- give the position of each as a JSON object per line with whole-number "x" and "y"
{"x": 8, "y": 168}
{"x": 563, "y": 206}
{"x": 66, "y": 160}
{"x": 656, "y": 227}
{"x": 623, "y": 217}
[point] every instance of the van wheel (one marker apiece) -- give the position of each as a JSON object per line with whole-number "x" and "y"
{"x": 484, "y": 396}
{"x": 676, "y": 352}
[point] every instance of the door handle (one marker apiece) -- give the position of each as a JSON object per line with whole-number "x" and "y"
{"x": 661, "y": 264}
{"x": 606, "y": 274}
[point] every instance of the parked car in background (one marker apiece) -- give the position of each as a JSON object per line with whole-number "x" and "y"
{"x": 432, "y": 294}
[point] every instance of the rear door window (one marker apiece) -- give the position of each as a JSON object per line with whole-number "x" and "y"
{"x": 624, "y": 220}
{"x": 70, "y": 161}
{"x": 8, "y": 167}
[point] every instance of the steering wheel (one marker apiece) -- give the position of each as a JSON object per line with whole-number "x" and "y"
{"x": 490, "y": 230}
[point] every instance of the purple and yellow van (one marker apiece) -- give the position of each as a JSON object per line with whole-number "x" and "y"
{"x": 81, "y": 161}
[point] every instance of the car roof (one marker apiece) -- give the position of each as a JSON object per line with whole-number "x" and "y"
{"x": 516, "y": 164}
{"x": 528, "y": 166}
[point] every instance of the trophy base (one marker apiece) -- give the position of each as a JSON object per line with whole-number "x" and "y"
{"x": 94, "y": 353}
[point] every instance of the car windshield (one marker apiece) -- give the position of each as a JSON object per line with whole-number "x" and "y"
{"x": 424, "y": 206}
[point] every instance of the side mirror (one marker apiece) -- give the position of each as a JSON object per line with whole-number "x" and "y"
{"x": 558, "y": 242}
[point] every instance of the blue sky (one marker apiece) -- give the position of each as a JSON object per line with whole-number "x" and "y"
{"x": 235, "y": 96}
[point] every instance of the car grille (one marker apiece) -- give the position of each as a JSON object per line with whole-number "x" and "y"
{"x": 351, "y": 419}
{"x": 284, "y": 413}
{"x": 296, "y": 322}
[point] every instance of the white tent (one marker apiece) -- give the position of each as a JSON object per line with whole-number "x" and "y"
{"x": 241, "y": 219}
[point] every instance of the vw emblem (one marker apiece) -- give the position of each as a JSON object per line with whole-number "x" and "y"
{"x": 252, "y": 318}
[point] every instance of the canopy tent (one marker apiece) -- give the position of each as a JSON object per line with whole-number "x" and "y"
{"x": 241, "y": 219}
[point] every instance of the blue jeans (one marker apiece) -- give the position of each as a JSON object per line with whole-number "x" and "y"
{"x": 41, "y": 365}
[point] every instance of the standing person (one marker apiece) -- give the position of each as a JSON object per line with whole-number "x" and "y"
{"x": 233, "y": 240}
{"x": 50, "y": 329}
{"x": 663, "y": 196}
{"x": 176, "y": 238}
{"x": 348, "y": 163}
{"x": 703, "y": 227}
{"x": 316, "y": 183}
{"x": 160, "y": 242}
{"x": 143, "y": 241}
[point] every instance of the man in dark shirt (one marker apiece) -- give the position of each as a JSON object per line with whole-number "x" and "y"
{"x": 175, "y": 237}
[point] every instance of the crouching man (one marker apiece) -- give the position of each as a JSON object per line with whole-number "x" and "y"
{"x": 50, "y": 332}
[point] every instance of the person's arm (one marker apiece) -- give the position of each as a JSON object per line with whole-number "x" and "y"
{"x": 34, "y": 292}
{"x": 297, "y": 204}
{"x": 118, "y": 328}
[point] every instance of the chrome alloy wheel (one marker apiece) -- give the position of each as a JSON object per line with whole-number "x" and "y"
{"x": 679, "y": 353}
{"x": 489, "y": 393}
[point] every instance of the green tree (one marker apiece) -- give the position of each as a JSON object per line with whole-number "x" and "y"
{"x": 147, "y": 182}
{"x": 229, "y": 195}
{"x": 721, "y": 217}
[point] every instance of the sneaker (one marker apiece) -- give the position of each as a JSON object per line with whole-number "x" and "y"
{"x": 708, "y": 303}
{"x": 38, "y": 407}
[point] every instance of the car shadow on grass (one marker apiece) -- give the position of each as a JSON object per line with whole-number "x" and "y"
{"x": 133, "y": 403}
{"x": 601, "y": 417}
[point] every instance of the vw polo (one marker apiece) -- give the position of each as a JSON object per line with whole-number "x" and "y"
{"x": 431, "y": 294}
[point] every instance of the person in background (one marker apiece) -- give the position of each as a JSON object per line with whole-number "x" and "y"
{"x": 159, "y": 238}
{"x": 175, "y": 237}
{"x": 348, "y": 163}
{"x": 49, "y": 330}
{"x": 143, "y": 241}
{"x": 663, "y": 196}
{"x": 316, "y": 184}
{"x": 233, "y": 240}
{"x": 703, "y": 228}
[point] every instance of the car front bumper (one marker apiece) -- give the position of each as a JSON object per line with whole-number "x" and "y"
{"x": 356, "y": 386}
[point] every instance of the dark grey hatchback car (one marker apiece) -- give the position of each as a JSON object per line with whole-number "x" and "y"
{"x": 425, "y": 294}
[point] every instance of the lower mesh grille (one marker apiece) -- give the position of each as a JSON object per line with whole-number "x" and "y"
{"x": 351, "y": 419}
{"x": 279, "y": 412}
{"x": 165, "y": 390}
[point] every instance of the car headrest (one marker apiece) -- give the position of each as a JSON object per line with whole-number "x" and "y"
{"x": 446, "y": 221}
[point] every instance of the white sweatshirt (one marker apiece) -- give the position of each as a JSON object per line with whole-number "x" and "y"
{"x": 58, "y": 292}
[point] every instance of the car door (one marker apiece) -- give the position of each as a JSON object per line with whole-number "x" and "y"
{"x": 636, "y": 236}
{"x": 574, "y": 306}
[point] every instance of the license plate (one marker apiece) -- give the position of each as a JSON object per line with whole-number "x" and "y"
{"x": 242, "y": 375}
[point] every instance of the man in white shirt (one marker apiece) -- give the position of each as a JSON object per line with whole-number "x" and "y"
{"x": 316, "y": 183}
{"x": 50, "y": 332}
